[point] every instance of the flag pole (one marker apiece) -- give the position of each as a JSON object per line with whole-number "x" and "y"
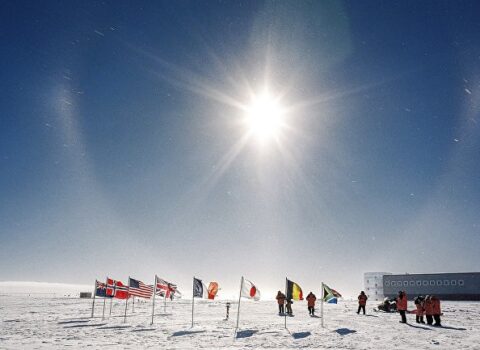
{"x": 126, "y": 302}
{"x": 93, "y": 302}
{"x": 323, "y": 298}
{"x": 286, "y": 287}
{"x": 154, "y": 292}
{"x": 103, "y": 311}
{"x": 165, "y": 302}
{"x": 239, "y": 299}
{"x": 193, "y": 297}
{"x": 111, "y": 302}
{"x": 133, "y": 304}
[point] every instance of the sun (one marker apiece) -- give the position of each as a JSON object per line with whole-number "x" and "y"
{"x": 265, "y": 117}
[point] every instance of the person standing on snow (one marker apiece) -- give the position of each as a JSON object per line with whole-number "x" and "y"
{"x": 362, "y": 301}
{"x": 436, "y": 310}
{"x": 311, "y": 298}
{"x": 420, "y": 310}
{"x": 281, "y": 301}
{"x": 289, "y": 307}
{"x": 428, "y": 306}
{"x": 402, "y": 305}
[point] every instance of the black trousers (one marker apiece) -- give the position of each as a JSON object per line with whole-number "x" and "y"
{"x": 404, "y": 317}
{"x": 419, "y": 319}
{"x": 281, "y": 309}
{"x": 437, "y": 320}
{"x": 429, "y": 319}
{"x": 311, "y": 310}
{"x": 361, "y": 307}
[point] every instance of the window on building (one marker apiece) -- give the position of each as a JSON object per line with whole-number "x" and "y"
{"x": 461, "y": 282}
{"x": 453, "y": 283}
{"x": 446, "y": 282}
{"x": 405, "y": 283}
{"x": 399, "y": 283}
{"x": 387, "y": 283}
{"x": 419, "y": 283}
{"x": 439, "y": 283}
{"x": 412, "y": 283}
{"x": 432, "y": 282}
{"x": 425, "y": 283}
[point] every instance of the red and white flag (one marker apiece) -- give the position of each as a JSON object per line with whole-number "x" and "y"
{"x": 164, "y": 288}
{"x": 139, "y": 289}
{"x": 116, "y": 289}
{"x": 249, "y": 290}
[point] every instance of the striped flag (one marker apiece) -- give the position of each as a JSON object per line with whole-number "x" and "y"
{"x": 294, "y": 291}
{"x": 139, "y": 289}
{"x": 330, "y": 295}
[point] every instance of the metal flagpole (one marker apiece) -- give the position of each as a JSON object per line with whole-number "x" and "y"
{"x": 126, "y": 302}
{"x": 193, "y": 297}
{"x": 113, "y": 295}
{"x": 323, "y": 298}
{"x": 111, "y": 302}
{"x": 93, "y": 302}
{"x": 133, "y": 304}
{"x": 286, "y": 292}
{"x": 165, "y": 302}
{"x": 154, "y": 292}
{"x": 239, "y": 299}
{"x": 103, "y": 311}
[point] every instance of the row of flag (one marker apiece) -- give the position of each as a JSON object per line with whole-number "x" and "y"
{"x": 135, "y": 288}
{"x": 116, "y": 289}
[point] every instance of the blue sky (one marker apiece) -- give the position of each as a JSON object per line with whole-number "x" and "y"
{"x": 123, "y": 152}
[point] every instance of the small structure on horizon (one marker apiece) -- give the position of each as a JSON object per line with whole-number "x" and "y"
{"x": 85, "y": 295}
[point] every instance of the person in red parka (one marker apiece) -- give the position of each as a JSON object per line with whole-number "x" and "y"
{"x": 419, "y": 301}
{"x": 436, "y": 310}
{"x": 362, "y": 301}
{"x": 281, "y": 302}
{"x": 311, "y": 298}
{"x": 428, "y": 306}
{"x": 402, "y": 305}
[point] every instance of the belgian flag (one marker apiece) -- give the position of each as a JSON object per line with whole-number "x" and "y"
{"x": 294, "y": 291}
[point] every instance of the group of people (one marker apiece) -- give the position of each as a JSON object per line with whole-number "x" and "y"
{"x": 283, "y": 303}
{"x": 428, "y": 306}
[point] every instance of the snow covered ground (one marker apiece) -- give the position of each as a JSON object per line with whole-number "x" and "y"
{"x": 39, "y": 321}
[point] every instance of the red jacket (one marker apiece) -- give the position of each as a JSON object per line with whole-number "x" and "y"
{"x": 436, "y": 306}
{"x": 311, "y": 300}
{"x": 402, "y": 303}
{"x": 428, "y": 307}
{"x": 362, "y": 300}
{"x": 281, "y": 299}
{"x": 420, "y": 309}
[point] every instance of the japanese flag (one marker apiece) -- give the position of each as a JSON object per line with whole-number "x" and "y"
{"x": 249, "y": 290}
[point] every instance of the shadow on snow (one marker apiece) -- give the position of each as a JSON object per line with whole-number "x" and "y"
{"x": 246, "y": 333}
{"x": 301, "y": 335}
{"x": 345, "y": 331}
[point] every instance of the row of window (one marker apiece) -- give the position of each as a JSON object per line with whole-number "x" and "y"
{"x": 424, "y": 283}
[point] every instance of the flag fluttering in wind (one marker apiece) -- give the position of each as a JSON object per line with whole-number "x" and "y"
{"x": 164, "y": 288}
{"x": 294, "y": 291}
{"x": 212, "y": 290}
{"x": 116, "y": 289}
{"x": 330, "y": 295}
{"x": 199, "y": 289}
{"x": 100, "y": 289}
{"x": 249, "y": 290}
{"x": 139, "y": 289}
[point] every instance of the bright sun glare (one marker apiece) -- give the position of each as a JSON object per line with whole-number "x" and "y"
{"x": 265, "y": 117}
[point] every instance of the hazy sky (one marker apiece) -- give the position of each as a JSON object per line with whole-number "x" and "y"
{"x": 124, "y": 151}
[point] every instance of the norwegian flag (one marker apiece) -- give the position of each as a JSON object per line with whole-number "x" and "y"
{"x": 164, "y": 288}
{"x": 139, "y": 289}
{"x": 116, "y": 289}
